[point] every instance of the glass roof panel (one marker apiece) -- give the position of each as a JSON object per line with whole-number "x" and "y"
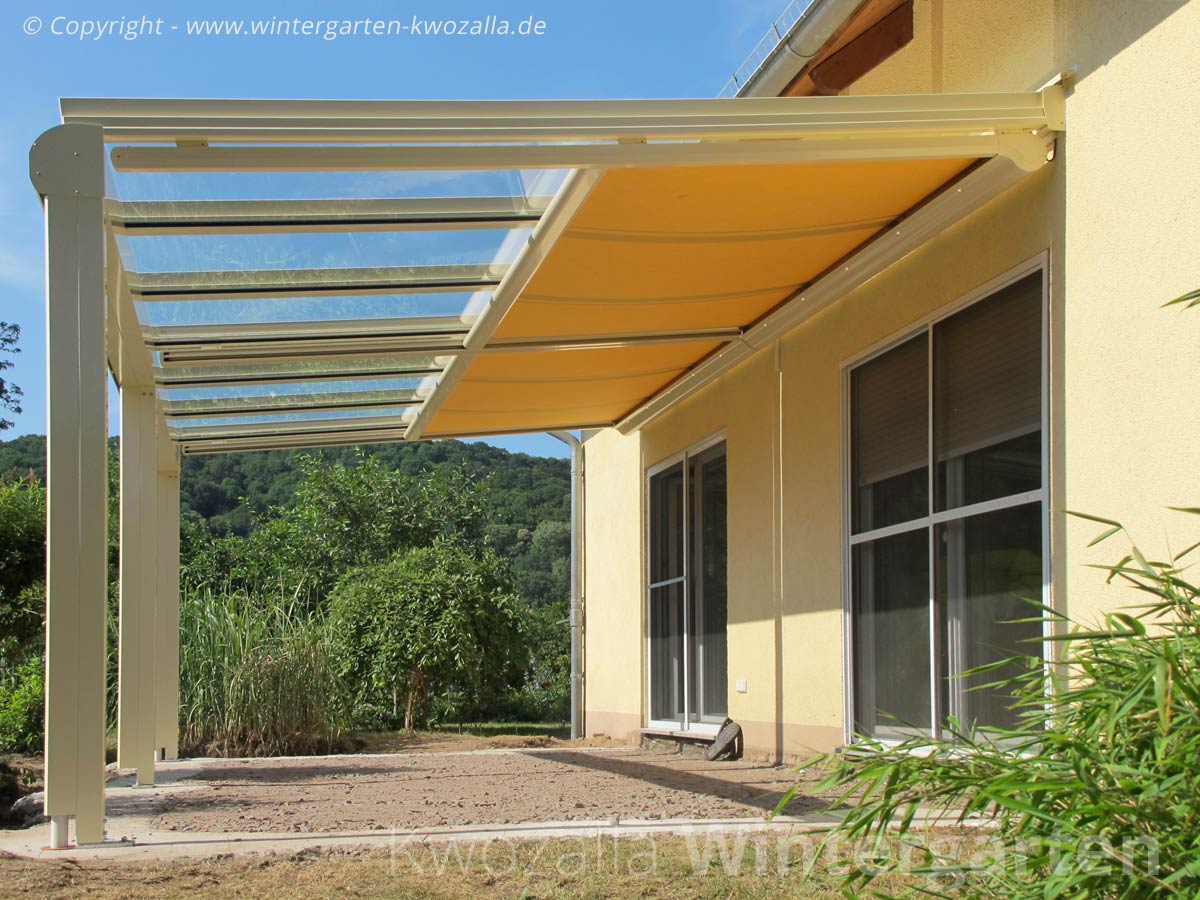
{"x": 328, "y": 400}
{"x": 307, "y": 309}
{"x": 307, "y": 370}
{"x": 397, "y": 412}
{"x": 179, "y": 398}
{"x": 166, "y": 186}
{"x": 259, "y": 252}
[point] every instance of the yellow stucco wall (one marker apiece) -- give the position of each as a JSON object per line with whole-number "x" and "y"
{"x": 1116, "y": 216}
{"x": 613, "y": 585}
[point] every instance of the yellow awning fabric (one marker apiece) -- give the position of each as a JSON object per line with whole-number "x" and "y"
{"x": 543, "y": 389}
{"x": 668, "y": 251}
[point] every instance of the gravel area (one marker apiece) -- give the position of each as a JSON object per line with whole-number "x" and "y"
{"x": 414, "y": 790}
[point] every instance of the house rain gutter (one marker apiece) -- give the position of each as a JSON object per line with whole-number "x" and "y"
{"x": 800, "y": 46}
{"x": 576, "y": 618}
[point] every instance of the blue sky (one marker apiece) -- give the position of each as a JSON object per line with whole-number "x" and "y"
{"x": 612, "y": 49}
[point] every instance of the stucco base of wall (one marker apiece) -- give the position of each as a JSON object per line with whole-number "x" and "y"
{"x": 618, "y": 726}
{"x": 767, "y": 742}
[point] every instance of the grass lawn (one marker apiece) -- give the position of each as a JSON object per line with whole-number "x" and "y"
{"x": 665, "y": 867}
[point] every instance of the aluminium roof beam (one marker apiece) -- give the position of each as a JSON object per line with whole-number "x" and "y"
{"x": 200, "y": 217}
{"x": 294, "y": 427}
{"x": 567, "y": 121}
{"x": 332, "y": 344}
{"x": 164, "y": 336}
{"x": 335, "y": 282}
{"x": 330, "y": 401}
{"x": 884, "y": 142}
{"x": 290, "y": 442}
{"x": 220, "y": 376}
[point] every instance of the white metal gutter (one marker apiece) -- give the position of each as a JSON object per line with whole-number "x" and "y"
{"x": 799, "y": 47}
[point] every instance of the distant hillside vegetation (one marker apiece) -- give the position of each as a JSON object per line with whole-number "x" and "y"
{"x": 529, "y": 495}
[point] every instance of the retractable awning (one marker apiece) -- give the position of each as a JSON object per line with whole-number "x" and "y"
{"x": 294, "y": 273}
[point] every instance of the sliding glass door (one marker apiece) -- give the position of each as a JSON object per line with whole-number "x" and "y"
{"x": 947, "y": 515}
{"x": 687, "y": 603}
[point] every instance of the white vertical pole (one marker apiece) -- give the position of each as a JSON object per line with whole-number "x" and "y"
{"x": 139, "y": 535}
{"x": 66, "y": 166}
{"x": 166, "y": 620}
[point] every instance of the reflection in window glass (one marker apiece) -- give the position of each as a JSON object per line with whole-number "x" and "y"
{"x": 989, "y": 572}
{"x": 891, "y": 633}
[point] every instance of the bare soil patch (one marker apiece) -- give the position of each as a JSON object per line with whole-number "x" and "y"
{"x": 445, "y": 788}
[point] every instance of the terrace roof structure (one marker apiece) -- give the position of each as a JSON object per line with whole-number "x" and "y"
{"x": 291, "y": 273}
{"x": 273, "y": 274}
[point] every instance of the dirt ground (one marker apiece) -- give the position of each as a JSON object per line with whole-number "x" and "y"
{"x": 448, "y": 787}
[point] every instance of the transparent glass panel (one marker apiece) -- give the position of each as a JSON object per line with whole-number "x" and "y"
{"x": 666, "y": 524}
{"x": 989, "y": 568}
{"x": 314, "y": 368}
{"x": 891, "y": 634}
{"x": 708, "y": 682}
{"x": 988, "y": 397}
{"x": 307, "y": 309}
{"x": 666, "y": 653}
{"x": 254, "y": 252}
{"x": 178, "y": 397}
{"x": 164, "y": 186}
{"x": 889, "y": 440}
{"x": 344, "y": 393}
{"x": 278, "y": 418}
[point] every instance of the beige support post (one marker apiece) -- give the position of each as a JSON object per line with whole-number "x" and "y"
{"x": 139, "y": 537}
{"x": 166, "y": 619}
{"x": 66, "y": 166}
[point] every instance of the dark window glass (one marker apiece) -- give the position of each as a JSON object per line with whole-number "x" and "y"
{"x": 666, "y": 524}
{"x": 666, "y": 652}
{"x": 989, "y": 568}
{"x": 987, "y": 397}
{"x": 709, "y": 590}
{"x": 891, "y": 633}
{"x": 889, "y": 441}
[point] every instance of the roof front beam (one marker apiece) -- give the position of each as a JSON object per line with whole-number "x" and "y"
{"x": 881, "y": 142}
{"x": 541, "y": 121}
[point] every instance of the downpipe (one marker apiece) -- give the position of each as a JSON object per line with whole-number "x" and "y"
{"x": 576, "y": 611}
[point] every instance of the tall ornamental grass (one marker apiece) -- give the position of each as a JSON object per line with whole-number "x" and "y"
{"x": 256, "y": 678}
{"x": 1095, "y": 793}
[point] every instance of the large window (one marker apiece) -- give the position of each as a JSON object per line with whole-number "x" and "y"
{"x": 946, "y": 514}
{"x": 687, "y": 591}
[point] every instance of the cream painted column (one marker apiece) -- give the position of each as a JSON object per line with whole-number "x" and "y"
{"x": 139, "y": 538}
{"x": 66, "y": 166}
{"x": 166, "y": 602}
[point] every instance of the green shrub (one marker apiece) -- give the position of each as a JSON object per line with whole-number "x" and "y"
{"x": 1093, "y": 794}
{"x": 256, "y": 678}
{"x": 22, "y": 708}
{"x": 435, "y": 628}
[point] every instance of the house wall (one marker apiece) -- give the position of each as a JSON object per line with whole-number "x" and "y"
{"x": 1115, "y": 215}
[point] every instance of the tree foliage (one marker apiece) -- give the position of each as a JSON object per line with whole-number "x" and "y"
{"x": 10, "y": 394}
{"x": 22, "y": 565}
{"x": 439, "y": 620}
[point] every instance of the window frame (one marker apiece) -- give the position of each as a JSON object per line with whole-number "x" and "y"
{"x": 1039, "y": 264}
{"x": 697, "y": 729}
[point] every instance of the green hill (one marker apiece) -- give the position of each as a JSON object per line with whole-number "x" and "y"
{"x": 529, "y": 495}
